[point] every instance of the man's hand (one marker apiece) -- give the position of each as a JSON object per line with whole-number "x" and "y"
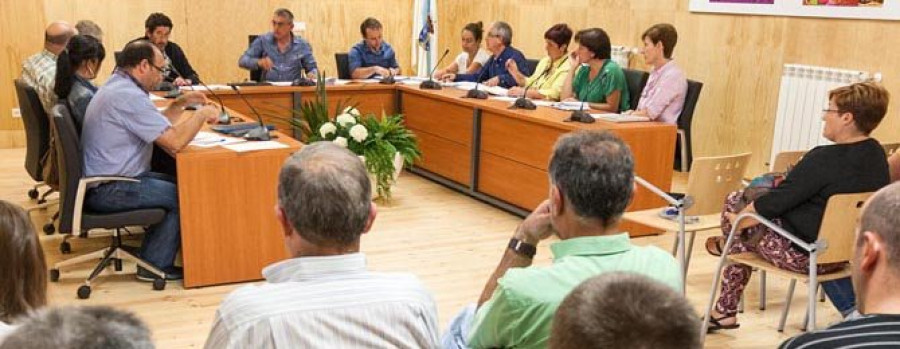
{"x": 265, "y": 63}
{"x": 210, "y": 113}
{"x": 536, "y": 226}
{"x": 182, "y": 82}
{"x": 192, "y": 98}
{"x": 381, "y": 71}
{"x": 516, "y": 91}
{"x": 494, "y": 81}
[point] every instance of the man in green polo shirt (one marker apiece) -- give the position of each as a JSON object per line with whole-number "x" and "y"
{"x": 592, "y": 181}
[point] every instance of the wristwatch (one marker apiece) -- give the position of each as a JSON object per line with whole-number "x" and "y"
{"x": 522, "y": 248}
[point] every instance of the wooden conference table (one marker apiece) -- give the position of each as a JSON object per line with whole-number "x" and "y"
{"x": 478, "y": 147}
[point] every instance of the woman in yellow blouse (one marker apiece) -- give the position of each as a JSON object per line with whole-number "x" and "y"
{"x": 550, "y": 74}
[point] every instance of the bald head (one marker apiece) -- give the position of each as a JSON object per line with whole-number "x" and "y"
{"x": 57, "y": 35}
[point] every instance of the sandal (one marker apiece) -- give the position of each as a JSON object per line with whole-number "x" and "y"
{"x": 715, "y": 245}
{"x": 715, "y": 324}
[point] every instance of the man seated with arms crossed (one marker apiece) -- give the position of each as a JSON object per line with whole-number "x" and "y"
{"x": 663, "y": 97}
{"x": 323, "y": 296}
{"x": 157, "y": 28}
{"x": 625, "y": 310}
{"x": 281, "y": 55}
{"x": 372, "y": 56}
{"x": 876, "y": 277}
{"x": 121, "y": 125}
{"x": 591, "y": 183}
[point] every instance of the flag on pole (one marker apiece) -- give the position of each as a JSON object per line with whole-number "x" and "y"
{"x": 424, "y": 35}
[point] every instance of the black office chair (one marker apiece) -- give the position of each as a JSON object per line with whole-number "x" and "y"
{"x": 37, "y": 144}
{"x": 683, "y": 153}
{"x": 343, "y": 65}
{"x": 636, "y": 80}
{"x": 75, "y": 218}
{"x": 255, "y": 74}
{"x": 531, "y": 64}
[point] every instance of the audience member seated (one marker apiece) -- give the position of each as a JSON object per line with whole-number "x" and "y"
{"x": 324, "y": 293}
{"x": 494, "y": 73}
{"x": 547, "y": 79}
{"x": 280, "y": 54}
{"x": 178, "y": 71}
{"x": 372, "y": 56}
{"x": 854, "y": 164}
{"x": 88, "y": 27}
{"x": 876, "y": 275}
{"x": 473, "y": 56}
{"x": 76, "y": 66}
{"x": 39, "y": 70}
{"x": 22, "y": 267}
{"x": 601, "y": 82}
{"x": 663, "y": 97}
{"x": 625, "y": 310}
{"x": 120, "y": 127}
{"x": 592, "y": 181}
{"x": 90, "y": 327}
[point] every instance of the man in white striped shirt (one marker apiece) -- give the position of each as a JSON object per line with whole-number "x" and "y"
{"x": 324, "y": 296}
{"x": 876, "y": 277}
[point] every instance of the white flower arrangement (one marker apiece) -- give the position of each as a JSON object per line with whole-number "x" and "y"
{"x": 359, "y": 133}
{"x": 341, "y": 141}
{"x": 345, "y": 119}
{"x": 327, "y": 129}
{"x": 352, "y": 111}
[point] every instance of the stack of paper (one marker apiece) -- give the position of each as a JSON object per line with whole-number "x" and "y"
{"x": 253, "y": 146}
{"x": 620, "y": 117}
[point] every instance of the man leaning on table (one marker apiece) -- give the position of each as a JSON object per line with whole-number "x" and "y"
{"x": 372, "y": 56}
{"x": 121, "y": 125}
{"x": 280, "y": 54}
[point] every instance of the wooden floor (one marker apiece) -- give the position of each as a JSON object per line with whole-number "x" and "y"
{"x": 452, "y": 242}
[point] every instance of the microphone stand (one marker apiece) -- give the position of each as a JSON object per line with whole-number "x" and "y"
{"x": 580, "y": 115}
{"x": 388, "y": 80}
{"x": 224, "y": 117}
{"x": 430, "y": 84}
{"x": 524, "y": 102}
{"x": 260, "y": 133}
{"x": 680, "y": 205}
{"x": 475, "y": 93}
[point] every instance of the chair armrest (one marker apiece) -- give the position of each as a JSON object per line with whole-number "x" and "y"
{"x": 81, "y": 192}
{"x": 808, "y": 247}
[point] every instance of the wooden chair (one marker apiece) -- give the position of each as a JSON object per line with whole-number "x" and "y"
{"x": 834, "y": 245}
{"x": 890, "y": 148}
{"x": 710, "y": 181}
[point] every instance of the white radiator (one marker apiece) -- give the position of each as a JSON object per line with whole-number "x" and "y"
{"x": 802, "y": 97}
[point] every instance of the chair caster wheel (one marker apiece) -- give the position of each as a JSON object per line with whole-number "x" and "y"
{"x": 54, "y": 275}
{"x": 159, "y": 284}
{"x": 84, "y": 292}
{"x": 33, "y": 194}
{"x": 65, "y": 247}
{"x": 49, "y": 229}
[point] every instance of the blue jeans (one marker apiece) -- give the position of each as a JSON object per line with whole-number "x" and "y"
{"x": 458, "y": 330}
{"x": 840, "y": 292}
{"x": 155, "y": 190}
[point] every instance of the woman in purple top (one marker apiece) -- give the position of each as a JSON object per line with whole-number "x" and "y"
{"x": 663, "y": 97}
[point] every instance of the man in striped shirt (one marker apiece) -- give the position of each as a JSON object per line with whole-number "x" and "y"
{"x": 876, "y": 276}
{"x": 324, "y": 297}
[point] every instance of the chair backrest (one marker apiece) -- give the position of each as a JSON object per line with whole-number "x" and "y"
{"x": 255, "y": 74}
{"x": 890, "y": 148}
{"x": 785, "y": 160}
{"x": 69, "y": 160}
{"x": 37, "y": 128}
{"x": 636, "y": 80}
{"x": 685, "y": 120}
{"x": 532, "y": 65}
{"x": 343, "y": 65}
{"x": 838, "y": 228}
{"x": 118, "y": 56}
{"x": 712, "y": 179}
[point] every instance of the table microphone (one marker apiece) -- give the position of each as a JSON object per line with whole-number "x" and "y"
{"x": 430, "y": 84}
{"x": 260, "y": 133}
{"x": 524, "y": 102}
{"x": 388, "y": 80}
{"x": 580, "y": 115}
{"x": 475, "y": 93}
{"x": 224, "y": 118}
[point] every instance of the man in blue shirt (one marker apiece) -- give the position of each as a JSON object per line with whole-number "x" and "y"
{"x": 121, "y": 125}
{"x": 494, "y": 73}
{"x": 372, "y": 56}
{"x": 281, "y": 55}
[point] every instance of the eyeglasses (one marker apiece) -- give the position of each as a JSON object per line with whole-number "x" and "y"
{"x": 163, "y": 71}
{"x": 826, "y": 111}
{"x": 279, "y": 24}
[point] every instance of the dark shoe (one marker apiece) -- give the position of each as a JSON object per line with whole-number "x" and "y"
{"x": 172, "y": 274}
{"x": 715, "y": 245}
{"x": 715, "y": 324}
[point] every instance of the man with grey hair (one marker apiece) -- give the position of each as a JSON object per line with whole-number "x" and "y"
{"x": 625, "y": 310}
{"x": 92, "y": 327}
{"x": 876, "y": 278}
{"x": 39, "y": 70}
{"x": 280, "y": 54}
{"x": 88, "y": 27}
{"x": 494, "y": 72}
{"x": 591, "y": 183}
{"x": 323, "y": 296}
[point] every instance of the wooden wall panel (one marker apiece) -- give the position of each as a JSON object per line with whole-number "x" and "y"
{"x": 20, "y": 36}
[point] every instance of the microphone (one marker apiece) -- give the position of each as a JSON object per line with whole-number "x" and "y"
{"x": 388, "y": 80}
{"x": 581, "y": 116}
{"x": 525, "y": 103}
{"x": 475, "y": 93}
{"x": 430, "y": 84}
{"x": 260, "y": 133}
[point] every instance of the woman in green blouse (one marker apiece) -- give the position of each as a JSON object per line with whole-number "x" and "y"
{"x": 601, "y": 82}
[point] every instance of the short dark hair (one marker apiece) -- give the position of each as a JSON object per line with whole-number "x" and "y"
{"x": 560, "y": 34}
{"x": 594, "y": 171}
{"x": 325, "y": 193}
{"x": 664, "y": 32}
{"x": 22, "y": 265}
{"x": 283, "y": 12}
{"x": 157, "y": 19}
{"x": 369, "y": 23}
{"x": 595, "y": 40}
{"x": 135, "y": 52}
{"x": 477, "y": 30}
{"x": 90, "y": 327}
{"x": 80, "y": 50}
{"x": 880, "y": 217}
{"x": 867, "y": 101}
{"x": 624, "y": 310}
